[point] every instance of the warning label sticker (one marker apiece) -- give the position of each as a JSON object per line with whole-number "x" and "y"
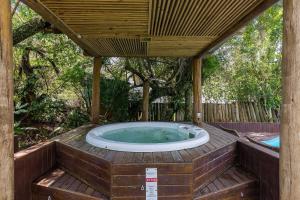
{"x": 151, "y": 183}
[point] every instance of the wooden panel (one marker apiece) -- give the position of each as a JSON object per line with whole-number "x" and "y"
{"x": 213, "y": 168}
{"x": 251, "y": 127}
{"x": 264, "y": 164}
{"x": 139, "y": 169}
{"x": 233, "y": 184}
{"x": 199, "y": 162}
{"x": 174, "y": 180}
{"x": 128, "y": 17}
{"x": 30, "y": 164}
{"x": 119, "y": 46}
{"x": 196, "y": 18}
{"x": 88, "y": 168}
{"x": 177, "y": 46}
{"x": 160, "y": 198}
{"x": 163, "y": 190}
{"x": 60, "y": 185}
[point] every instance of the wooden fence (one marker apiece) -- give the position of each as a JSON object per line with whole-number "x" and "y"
{"x": 213, "y": 112}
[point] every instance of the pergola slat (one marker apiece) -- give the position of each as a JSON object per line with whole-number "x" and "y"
{"x": 134, "y": 27}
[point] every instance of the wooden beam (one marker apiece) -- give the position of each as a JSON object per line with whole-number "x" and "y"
{"x": 237, "y": 26}
{"x": 50, "y": 17}
{"x": 197, "y": 105}
{"x": 95, "y": 109}
{"x": 6, "y": 104}
{"x": 145, "y": 114}
{"x": 290, "y": 113}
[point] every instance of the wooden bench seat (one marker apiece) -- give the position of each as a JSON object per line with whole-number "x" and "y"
{"x": 59, "y": 185}
{"x": 233, "y": 184}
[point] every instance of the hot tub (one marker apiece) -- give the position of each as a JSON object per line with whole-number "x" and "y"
{"x": 147, "y": 136}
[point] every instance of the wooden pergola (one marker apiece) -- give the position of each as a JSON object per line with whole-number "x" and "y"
{"x": 152, "y": 28}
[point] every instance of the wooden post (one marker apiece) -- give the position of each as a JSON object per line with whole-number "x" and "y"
{"x": 6, "y": 104}
{"x": 95, "y": 110}
{"x": 146, "y": 88}
{"x": 290, "y": 113}
{"x": 197, "y": 106}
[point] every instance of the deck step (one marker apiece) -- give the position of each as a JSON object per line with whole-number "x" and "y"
{"x": 59, "y": 185}
{"x": 233, "y": 184}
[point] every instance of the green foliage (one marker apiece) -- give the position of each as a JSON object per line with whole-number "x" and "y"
{"x": 18, "y": 112}
{"x": 251, "y": 63}
{"x": 114, "y": 92}
{"x": 114, "y": 99}
{"x": 211, "y": 64}
{"x": 47, "y": 110}
{"x": 18, "y": 129}
{"x": 76, "y": 118}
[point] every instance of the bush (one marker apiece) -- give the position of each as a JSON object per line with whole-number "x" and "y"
{"x": 48, "y": 110}
{"x": 76, "y": 118}
{"x": 114, "y": 99}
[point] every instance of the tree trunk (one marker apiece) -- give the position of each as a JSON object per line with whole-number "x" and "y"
{"x": 290, "y": 121}
{"x": 197, "y": 109}
{"x": 146, "y": 88}
{"x": 188, "y": 105}
{"x": 95, "y": 110}
{"x": 6, "y": 104}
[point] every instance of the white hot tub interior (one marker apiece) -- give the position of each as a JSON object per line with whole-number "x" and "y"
{"x": 147, "y": 136}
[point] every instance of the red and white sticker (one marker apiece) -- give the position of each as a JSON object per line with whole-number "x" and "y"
{"x": 151, "y": 183}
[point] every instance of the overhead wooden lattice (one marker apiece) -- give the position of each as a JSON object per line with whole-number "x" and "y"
{"x": 146, "y": 27}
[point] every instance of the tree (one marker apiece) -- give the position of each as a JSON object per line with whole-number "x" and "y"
{"x": 251, "y": 63}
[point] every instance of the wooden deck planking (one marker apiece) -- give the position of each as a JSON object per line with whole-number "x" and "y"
{"x": 232, "y": 184}
{"x": 181, "y": 172}
{"x": 58, "y": 184}
{"x": 264, "y": 164}
{"x": 218, "y": 139}
{"x": 30, "y": 164}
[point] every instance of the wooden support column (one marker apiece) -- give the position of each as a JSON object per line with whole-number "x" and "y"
{"x": 6, "y": 104}
{"x": 290, "y": 113}
{"x": 95, "y": 110}
{"x": 197, "y": 103}
{"x": 145, "y": 113}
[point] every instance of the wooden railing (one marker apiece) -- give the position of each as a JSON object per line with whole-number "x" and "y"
{"x": 264, "y": 164}
{"x": 243, "y": 127}
{"x": 30, "y": 164}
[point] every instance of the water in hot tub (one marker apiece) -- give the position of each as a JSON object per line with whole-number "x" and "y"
{"x": 146, "y": 135}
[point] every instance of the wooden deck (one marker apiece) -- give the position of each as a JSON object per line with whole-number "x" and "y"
{"x": 218, "y": 140}
{"x": 68, "y": 163}
{"x": 61, "y": 185}
{"x": 232, "y": 184}
{"x": 122, "y": 174}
